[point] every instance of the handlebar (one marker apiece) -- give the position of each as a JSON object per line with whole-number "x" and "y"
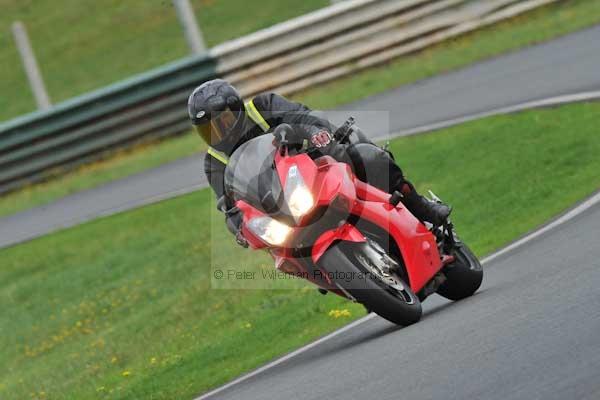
{"x": 286, "y": 136}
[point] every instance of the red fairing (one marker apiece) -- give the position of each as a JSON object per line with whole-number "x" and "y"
{"x": 416, "y": 243}
{"x": 326, "y": 178}
{"x": 333, "y": 182}
{"x": 249, "y": 212}
{"x": 306, "y": 166}
{"x": 285, "y": 262}
{"x": 346, "y": 232}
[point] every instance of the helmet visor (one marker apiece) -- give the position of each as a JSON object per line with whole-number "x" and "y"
{"x": 219, "y": 127}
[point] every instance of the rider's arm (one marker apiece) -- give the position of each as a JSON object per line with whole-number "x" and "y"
{"x": 277, "y": 110}
{"x": 215, "y": 171}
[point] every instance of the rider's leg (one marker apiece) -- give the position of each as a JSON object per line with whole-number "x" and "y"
{"x": 374, "y": 165}
{"x": 421, "y": 207}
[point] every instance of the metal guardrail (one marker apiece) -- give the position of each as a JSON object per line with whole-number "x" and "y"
{"x": 148, "y": 106}
{"x": 287, "y": 57}
{"x": 363, "y": 34}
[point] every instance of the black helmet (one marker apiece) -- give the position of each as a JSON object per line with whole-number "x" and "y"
{"x": 217, "y": 112}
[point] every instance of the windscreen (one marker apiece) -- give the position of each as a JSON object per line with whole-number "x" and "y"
{"x": 251, "y": 176}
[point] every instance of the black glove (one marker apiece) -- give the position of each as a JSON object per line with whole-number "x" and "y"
{"x": 233, "y": 220}
{"x": 240, "y": 239}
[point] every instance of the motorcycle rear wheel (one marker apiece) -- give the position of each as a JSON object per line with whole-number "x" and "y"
{"x": 396, "y": 303}
{"x": 463, "y": 276}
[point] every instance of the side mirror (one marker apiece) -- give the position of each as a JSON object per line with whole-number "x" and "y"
{"x": 283, "y": 133}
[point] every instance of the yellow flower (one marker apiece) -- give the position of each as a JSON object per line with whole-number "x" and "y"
{"x": 247, "y": 325}
{"x": 114, "y": 360}
{"x": 153, "y": 360}
{"x": 126, "y": 373}
{"x": 339, "y": 313}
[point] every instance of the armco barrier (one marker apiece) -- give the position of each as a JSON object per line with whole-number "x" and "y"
{"x": 362, "y": 34}
{"x": 287, "y": 57}
{"x": 147, "y": 106}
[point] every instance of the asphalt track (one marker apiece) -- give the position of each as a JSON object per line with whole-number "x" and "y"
{"x": 531, "y": 332}
{"x": 567, "y": 65}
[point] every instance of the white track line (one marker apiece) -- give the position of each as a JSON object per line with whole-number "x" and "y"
{"x": 587, "y": 204}
{"x": 553, "y": 101}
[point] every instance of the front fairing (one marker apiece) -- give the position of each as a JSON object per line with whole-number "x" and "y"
{"x": 257, "y": 174}
{"x": 329, "y": 182}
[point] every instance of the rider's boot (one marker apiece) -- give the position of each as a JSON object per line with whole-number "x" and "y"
{"x": 422, "y": 208}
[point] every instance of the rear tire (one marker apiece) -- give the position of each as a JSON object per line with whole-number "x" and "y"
{"x": 401, "y": 307}
{"x": 463, "y": 276}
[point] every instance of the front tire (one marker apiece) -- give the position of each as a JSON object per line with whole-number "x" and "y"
{"x": 396, "y": 303}
{"x": 463, "y": 276}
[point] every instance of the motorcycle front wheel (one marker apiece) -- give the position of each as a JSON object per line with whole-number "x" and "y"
{"x": 355, "y": 269}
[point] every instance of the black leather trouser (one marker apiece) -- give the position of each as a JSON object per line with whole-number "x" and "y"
{"x": 371, "y": 164}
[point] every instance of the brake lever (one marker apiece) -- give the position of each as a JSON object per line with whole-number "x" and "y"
{"x": 342, "y": 133}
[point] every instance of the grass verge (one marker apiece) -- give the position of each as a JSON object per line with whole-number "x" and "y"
{"x": 112, "y": 309}
{"x": 533, "y": 27}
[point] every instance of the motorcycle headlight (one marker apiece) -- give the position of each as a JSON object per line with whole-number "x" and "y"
{"x": 271, "y": 231}
{"x": 299, "y": 199}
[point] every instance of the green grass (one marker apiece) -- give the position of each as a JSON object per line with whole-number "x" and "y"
{"x": 121, "y": 307}
{"x": 536, "y": 26}
{"x": 85, "y": 44}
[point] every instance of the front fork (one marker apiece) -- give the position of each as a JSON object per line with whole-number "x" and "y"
{"x": 447, "y": 240}
{"x": 445, "y": 234}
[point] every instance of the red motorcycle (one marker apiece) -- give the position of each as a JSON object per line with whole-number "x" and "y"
{"x": 320, "y": 222}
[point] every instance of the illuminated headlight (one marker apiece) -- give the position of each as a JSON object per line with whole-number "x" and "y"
{"x": 299, "y": 199}
{"x": 271, "y": 231}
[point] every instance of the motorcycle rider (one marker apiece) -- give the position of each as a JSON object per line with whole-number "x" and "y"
{"x": 224, "y": 122}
